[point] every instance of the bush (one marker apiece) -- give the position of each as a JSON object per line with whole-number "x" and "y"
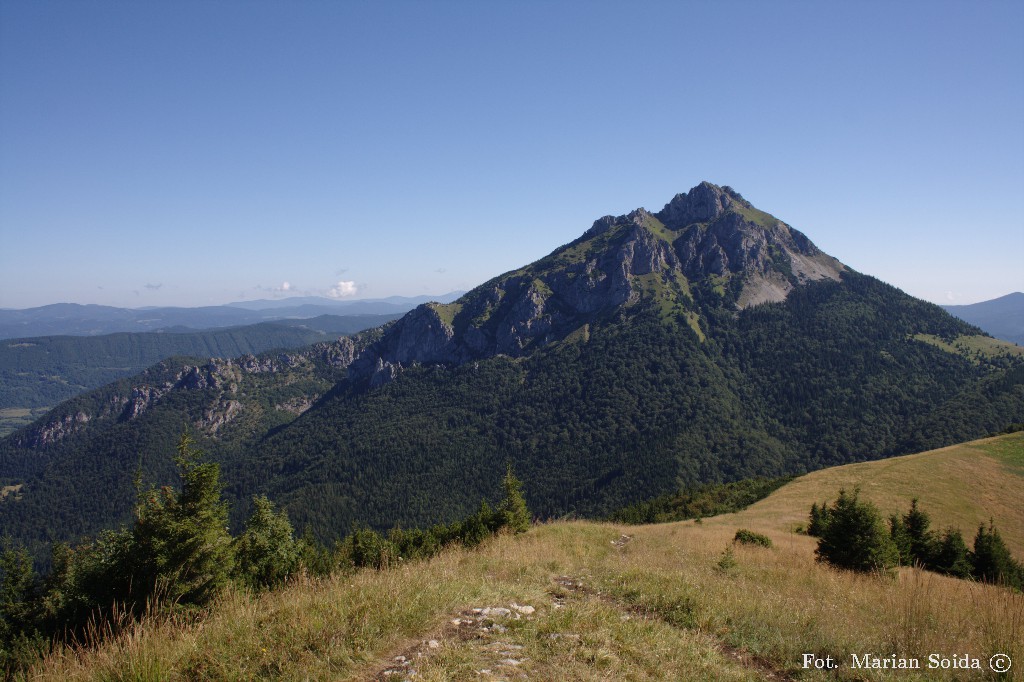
{"x": 749, "y": 537}
{"x": 727, "y": 561}
{"x": 855, "y": 537}
{"x": 366, "y": 548}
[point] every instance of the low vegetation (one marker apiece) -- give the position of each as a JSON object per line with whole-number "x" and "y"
{"x": 749, "y": 537}
{"x": 655, "y": 606}
{"x": 852, "y": 535}
{"x": 178, "y": 557}
{"x": 961, "y": 486}
{"x": 575, "y": 601}
{"x": 700, "y": 501}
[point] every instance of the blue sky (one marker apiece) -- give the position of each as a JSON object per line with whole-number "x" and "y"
{"x": 193, "y": 153}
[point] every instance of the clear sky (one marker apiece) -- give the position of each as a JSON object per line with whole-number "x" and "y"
{"x": 193, "y": 153}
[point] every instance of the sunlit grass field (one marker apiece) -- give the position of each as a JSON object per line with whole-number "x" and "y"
{"x": 962, "y": 486}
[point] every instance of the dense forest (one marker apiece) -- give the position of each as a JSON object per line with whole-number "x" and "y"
{"x": 637, "y": 406}
{"x": 707, "y": 343}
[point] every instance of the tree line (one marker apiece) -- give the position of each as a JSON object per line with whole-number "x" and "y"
{"x": 853, "y": 535}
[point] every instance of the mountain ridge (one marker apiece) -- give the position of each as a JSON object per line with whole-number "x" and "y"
{"x": 74, "y": 319}
{"x": 1002, "y": 317}
{"x": 709, "y": 232}
{"x": 44, "y": 370}
{"x": 604, "y": 373}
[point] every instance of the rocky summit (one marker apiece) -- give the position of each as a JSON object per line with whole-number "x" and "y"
{"x": 709, "y": 235}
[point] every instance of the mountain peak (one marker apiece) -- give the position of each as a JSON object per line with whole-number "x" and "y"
{"x": 701, "y": 204}
{"x": 709, "y": 237}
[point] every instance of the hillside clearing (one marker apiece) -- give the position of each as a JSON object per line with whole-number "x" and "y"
{"x": 961, "y": 485}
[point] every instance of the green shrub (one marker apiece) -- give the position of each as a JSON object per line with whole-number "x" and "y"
{"x": 727, "y": 561}
{"x": 749, "y": 537}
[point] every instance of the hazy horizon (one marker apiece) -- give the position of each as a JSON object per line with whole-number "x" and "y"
{"x": 191, "y": 153}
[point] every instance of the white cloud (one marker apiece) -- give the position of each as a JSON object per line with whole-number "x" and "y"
{"x": 343, "y": 289}
{"x": 286, "y": 286}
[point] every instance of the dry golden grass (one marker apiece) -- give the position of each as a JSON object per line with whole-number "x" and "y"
{"x": 961, "y": 486}
{"x": 616, "y": 602}
{"x": 658, "y": 607}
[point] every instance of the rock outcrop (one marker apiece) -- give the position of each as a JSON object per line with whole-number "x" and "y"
{"x": 220, "y": 378}
{"x": 708, "y": 232}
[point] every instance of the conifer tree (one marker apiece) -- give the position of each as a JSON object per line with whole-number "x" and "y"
{"x": 266, "y": 553}
{"x": 951, "y": 555}
{"x": 183, "y": 549}
{"x": 855, "y": 536}
{"x": 17, "y": 600}
{"x": 901, "y": 540}
{"x": 922, "y": 541}
{"x": 514, "y": 513}
{"x": 818, "y": 519}
{"x": 992, "y": 560}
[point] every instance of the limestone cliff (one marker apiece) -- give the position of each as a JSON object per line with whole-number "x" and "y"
{"x": 224, "y": 381}
{"x": 710, "y": 236}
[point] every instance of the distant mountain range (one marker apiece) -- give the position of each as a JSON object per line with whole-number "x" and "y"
{"x": 91, "y": 320}
{"x": 709, "y": 341}
{"x": 1001, "y": 317}
{"x": 42, "y": 371}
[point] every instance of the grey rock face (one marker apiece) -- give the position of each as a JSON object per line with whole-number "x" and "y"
{"x": 704, "y": 203}
{"x": 709, "y": 230}
{"x": 523, "y": 310}
{"x": 220, "y": 376}
{"x": 772, "y": 259}
{"x": 54, "y": 431}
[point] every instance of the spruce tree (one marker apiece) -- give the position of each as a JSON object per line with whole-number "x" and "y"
{"x": 922, "y": 541}
{"x": 855, "y": 537}
{"x": 266, "y": 553}
{"x": 951, "y": 555}
{"x": 992, "y": 560}
{"x": 183, "y": 549}
{"x": 901, "y": 540}
{"x": 18, "y": 585}
{"x": 817, "y": 520}
{"x": 514, "y": 513}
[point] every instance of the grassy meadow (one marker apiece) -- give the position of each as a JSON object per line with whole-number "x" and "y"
{"x": 592, "y": 601}
{"x": 961, "y": 485}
